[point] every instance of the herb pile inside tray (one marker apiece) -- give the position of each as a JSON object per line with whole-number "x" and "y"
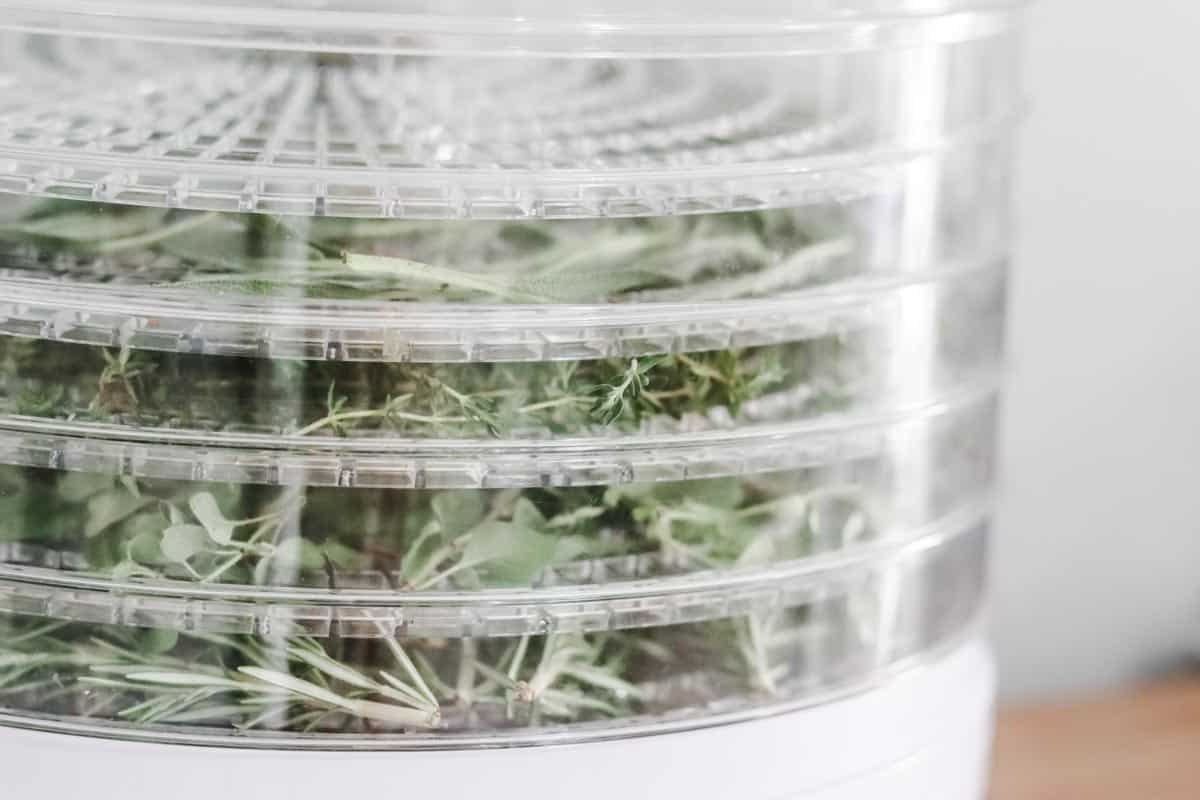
{"x": 143, "y": 529}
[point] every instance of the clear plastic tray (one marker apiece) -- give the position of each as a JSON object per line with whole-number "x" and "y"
{"x": 434, "y": 291}
{"x": 589, "y": 596}
{"x": 405, "y": 463}
{"x": 836, "y": 631}
{"x": 756, "y": 496}
{"x": 844, "y": 358}
{"x": 234, "y": 128}
{"x": 586, "y": 28}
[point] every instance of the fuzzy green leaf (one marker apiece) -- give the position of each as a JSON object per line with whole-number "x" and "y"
{"x": 204, "y": 507}
{"x": 508, "y": 554}
{"x": 458, "y": 512}
{"x": 108, "y": 508}
{"x": 181, "y": 542}
{"x": 75, "y": 487}
{"x": 526, "y": 515}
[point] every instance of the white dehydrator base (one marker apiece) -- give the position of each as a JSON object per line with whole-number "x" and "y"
{"x": 924, "y": 735}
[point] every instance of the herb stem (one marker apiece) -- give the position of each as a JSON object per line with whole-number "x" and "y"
{"x": 374, "y": 413}
{"x": 158, "y": 234}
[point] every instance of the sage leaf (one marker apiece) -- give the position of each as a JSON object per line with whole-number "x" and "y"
{"x": 526, "y": 515}
{"x": 108, "y": 508}
{"x": 181, "y": 542}
{"x": 458, "y": 512}
{"x": 509, "y": 554}
{"x": 204, "y": 507}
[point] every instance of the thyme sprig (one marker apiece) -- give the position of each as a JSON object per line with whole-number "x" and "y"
{"x": 530, "y": 399}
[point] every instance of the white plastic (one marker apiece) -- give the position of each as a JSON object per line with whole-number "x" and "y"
{"x": 921, "y": 736}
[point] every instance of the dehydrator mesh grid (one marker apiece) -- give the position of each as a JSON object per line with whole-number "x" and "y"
{"x": 306, "y": 134}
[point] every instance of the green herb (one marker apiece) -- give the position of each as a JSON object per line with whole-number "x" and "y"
{"x": 420, "y": 539}
{"x": 526, "y": 399}
{"x": 130, "y": 530}
{"x": 303, "y": 684}
{"x": 682, "y": 259}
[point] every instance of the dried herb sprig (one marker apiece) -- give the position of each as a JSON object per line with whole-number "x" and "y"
{"x": 80, "y": 382}
{"x": 224, "y": 533}
{"x": 686, "y": 258}
{"x": 302, "y": 684}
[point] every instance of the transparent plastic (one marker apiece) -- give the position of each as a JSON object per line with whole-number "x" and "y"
{"x": 842, "y": 360}
{"x": 388, "y": 375}
{"x": 815, "y": 637}
{"x": 522, "y": 27}
{"x": 841, "y": 491}
{"x": 231, "y": 129}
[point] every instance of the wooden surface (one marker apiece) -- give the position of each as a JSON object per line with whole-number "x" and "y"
{"x": 1142, "y": 745}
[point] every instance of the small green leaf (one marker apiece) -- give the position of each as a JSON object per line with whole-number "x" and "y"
{"x": 721, "y": 493}
{"x": 569, "y": 548}
{"x": 507, "y": 554}
{"x": 526, "y": 515}
{"x": 458, "y": 512}
{"x": 108, "y": 508}
{"x": 75, "y": 487}
{"x": 145, "y": 547}
{"x": 174, "y": 515}
{"x": 181, "y": 542}
{"x": 760, "y": 552}
{"x": 204, "y": 507}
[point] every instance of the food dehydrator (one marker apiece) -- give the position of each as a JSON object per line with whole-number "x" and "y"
{"x": 516, "y": 399}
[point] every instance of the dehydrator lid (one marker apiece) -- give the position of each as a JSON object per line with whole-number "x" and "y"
{"x": 590, "y": 27}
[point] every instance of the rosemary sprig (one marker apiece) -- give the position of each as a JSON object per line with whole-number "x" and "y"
{"x": 299, "y": 683}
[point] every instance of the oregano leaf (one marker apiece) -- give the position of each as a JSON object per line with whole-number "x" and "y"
{"x": 181, "y": 542}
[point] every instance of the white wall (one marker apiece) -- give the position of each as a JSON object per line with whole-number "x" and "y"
{"x": 1097, "y": 554}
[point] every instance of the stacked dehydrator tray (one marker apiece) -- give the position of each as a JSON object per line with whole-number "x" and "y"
{"x": 499, "y": 399}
